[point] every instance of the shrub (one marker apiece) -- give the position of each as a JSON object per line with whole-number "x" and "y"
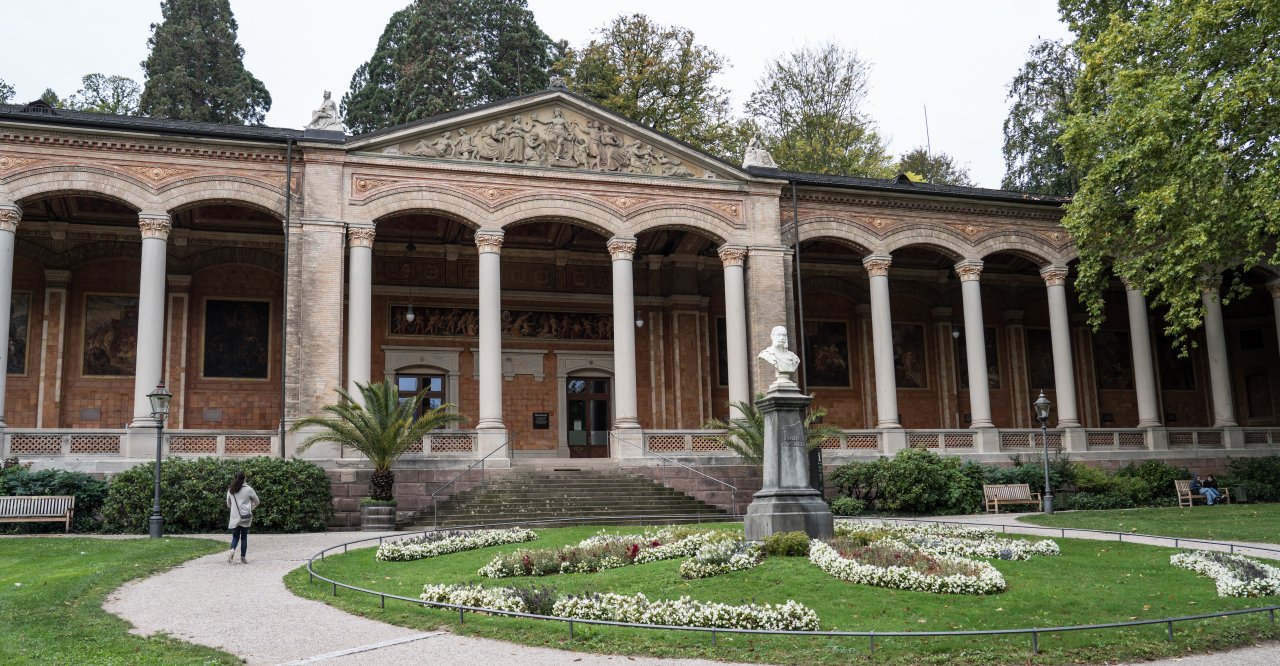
{"x": 1091, "y": 479}
{"x": 295, "y": 495}
{"x": 1097, "y": 502}
{"x": 1137, "y": 489}
{"x": 848, "y": 506}
{"x": 1158, "y": 475}
{"x": 787, "y": 544}
{"x": 89, "y": 493}
{"x": 1259, "y": 476}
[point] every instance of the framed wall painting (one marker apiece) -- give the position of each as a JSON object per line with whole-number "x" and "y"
{"x": 993, "y": 360}
{"x": 1113, "y": 360}
{"x": 110, "y": 335}
{"x": 1039, "y": 360}
{"x": 909, "y": 363}
{"x": 237, "y": 339}
{"x": 826, "y": 353}
{"x": 19, "y": 318}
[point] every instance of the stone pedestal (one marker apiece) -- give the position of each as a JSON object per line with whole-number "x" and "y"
{"x": 785, "y": 502}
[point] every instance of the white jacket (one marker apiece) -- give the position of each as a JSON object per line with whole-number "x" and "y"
{"x": 246, "y": 501}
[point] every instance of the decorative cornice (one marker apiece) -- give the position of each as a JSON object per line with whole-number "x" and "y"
{"x": 489, "y": 241}
{"x": 625, "y": 202}
{"x": 156, "y": 173}
{"x": 1055, "y": 276}
{"x": 733, "y": 255}
{"x": 155, "y": 225}
{"x": 115, "y": 145}
{"x": 363, "y": 184}
{"x": 877, "y": 265}
{"x": 730, "y": 210}
{"x": 969, "y": 271}
{"x": 622, "y": 248}
{"x": 489, "y": 193}
{"x": 10, "y": 215}
{"x": 361, "y": 236}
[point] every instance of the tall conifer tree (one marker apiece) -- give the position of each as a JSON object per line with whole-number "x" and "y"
{"x": 196, "y": 68}
{"x": 437, "y": 56}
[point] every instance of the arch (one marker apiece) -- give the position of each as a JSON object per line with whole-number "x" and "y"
{"x": 464, "y": 209}
{"x": 833, "y": 285}
{"x": 943, "y": 240}
{"x": 232, "y": 255}
{"x": 221, "y": 189}
{"x": 27, "y": 185}
{"x": 685, "y": 218}
{"x": 855, "y": 236}
{"x": 87, "y": 252}
{"x": 1028, "y": 246}
{"x": 586, "y": 212}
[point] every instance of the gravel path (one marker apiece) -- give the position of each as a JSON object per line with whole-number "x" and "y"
{"x": 194, "y": 602}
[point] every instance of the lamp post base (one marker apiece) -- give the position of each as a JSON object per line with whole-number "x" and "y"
{"x": 1048, "y": 503}
{"x": 156, "y": 526}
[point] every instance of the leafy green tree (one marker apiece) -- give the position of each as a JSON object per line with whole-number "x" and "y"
{"x": 51, "y": 98}
{"x": 657, "y": 75}
{"x": 1041, "y": 94}
{"x": 938, "y": 168}
{"x": 6, "y": 92}
{"x": 382, "y": 428}
{"x": 745, "y": 436}
{"x": 1174, "y": 126}
{"x": 809, "y": 104}
{"x": 100, "y": 93}
{"x": 437, "y": 56}
{"x": 195, "y": 70}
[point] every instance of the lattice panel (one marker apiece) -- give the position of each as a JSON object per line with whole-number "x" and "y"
{"x": 1209, "y": 440}
{"x": 666, "y": 443}
{"x": 35, "y": 445}
{"x": 863, "y": 441}
{"x": 1256, "y": 438}
{"x": 922, "y": 440}
{"x": 1133, "y": 440}
{"x": 452, "y": 443}
{"x": 829, "y": 442}
{"x": 1015, "y": 440}
{"x": 193, "y": 444}
{"x": 957, "y": 440}
{"x": 1055, "y": 440}
{"x": 1180, "y": 440}
{"x": 708, "y": 443}
{"x": 1100, "y": 440}
{"x": 415, "y": 447}
{"x": 96, "y": 444}
{"x": 239, "y": 445}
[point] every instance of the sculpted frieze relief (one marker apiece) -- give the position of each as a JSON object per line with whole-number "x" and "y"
{"x": 361, "y": 185}
{"x": 156, "y": 173}
{"x": 551, "y": 137}
{"x": 13, "y": 163}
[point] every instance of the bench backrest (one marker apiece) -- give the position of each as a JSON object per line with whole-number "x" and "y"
{"x": 34, "y": 506}
{"x": 1183, "y": 486}
{"x": 1007, "y": 491}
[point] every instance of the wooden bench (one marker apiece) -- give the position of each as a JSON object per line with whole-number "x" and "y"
{"x": 38, "y": 509}
{"x": 996, "y": 494}
{"x": 1186, "y": 498}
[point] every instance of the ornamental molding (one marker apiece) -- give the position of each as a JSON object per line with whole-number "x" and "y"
{"x": 1055, "y": 276}
{"x": 490, "y": 194}
{"x": 362, "y": 185}
{"x": 489, "y": 241}
{"x": 155, "y": 173}
{"x": 11, "y": 163}
{"x": 924, "y": 205}
{"x": 361, "y": 237}
{"x": 969, "y": 271}
{"x": 177, "y": 150}
{"x": 877, "y": 266}
{"x": 9, "y": 218}
{"x": 970, "y": 230}
{"x": 155, "y": 226}
{"x": 622, "y": 249}
{"x": 733, "y": 255}
{"x": 625, "y": 202}
{"x": 730, "y": 210}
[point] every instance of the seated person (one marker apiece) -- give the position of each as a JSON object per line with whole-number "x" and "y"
{"x": 1209, "y": 488}
{"x": 1198, "y": 488}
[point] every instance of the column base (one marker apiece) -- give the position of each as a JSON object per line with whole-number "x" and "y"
{"x": 788, "y": 513}
{"x": 488, "y": 443}
{"x": 626, "y": 443}
{"x": 979, "y": 425}
{"x": 1152, "y": 423}
{"x": 893, "y": 440}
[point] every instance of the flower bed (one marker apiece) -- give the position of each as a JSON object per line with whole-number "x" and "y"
{"x": 493, "y": 598}
{"x": 955, "y": 540}
{"x": 719, "y": 557}
{"x": 1234, "y": 575}
{"x": 602, "y": 552}
{"x": 444, "y": 543}
{"x": 896, "y": 564}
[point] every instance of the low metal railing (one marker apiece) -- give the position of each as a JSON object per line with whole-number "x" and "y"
{"x": 733, "y": 490}
{"x": 435, "y": 513}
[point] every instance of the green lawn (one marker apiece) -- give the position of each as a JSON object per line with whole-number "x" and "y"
{"x": 1259, "y": 523}
{"x": 51, "y": 594}
{"x": 1090, "y": 582}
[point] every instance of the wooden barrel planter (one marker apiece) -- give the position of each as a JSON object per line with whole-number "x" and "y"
{"x": 378, "y": 518}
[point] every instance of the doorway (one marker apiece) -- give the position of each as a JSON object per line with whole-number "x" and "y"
{"x": 588, "y": 422}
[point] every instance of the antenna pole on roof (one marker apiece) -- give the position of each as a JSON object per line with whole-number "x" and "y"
{"x": 928, "y": 144}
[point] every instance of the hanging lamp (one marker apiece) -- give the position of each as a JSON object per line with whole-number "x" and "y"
{"x": 410, "y": 247}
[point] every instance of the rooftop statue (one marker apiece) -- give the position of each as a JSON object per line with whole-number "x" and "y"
{"x": 757, "y": 156}
{"x": 326, "y": 117}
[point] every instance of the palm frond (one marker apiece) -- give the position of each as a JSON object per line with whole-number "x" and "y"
{"x": 745, "y": 435}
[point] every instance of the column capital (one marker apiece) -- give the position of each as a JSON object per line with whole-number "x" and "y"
{"x": 1210, "y": 285}
{"x": 1055, "y": 276}
{"x": 10, "y": 215}
{"x": 1128, "y": 284}
{"x": 877, "y": 265}
{"x": 1274, "y": 287}
{"x": 622, "y": 248}
{"x": 969, "y": 270}
{"x": 361, "y": 236}
{"x": 489, "y": 240}
{"x": 155, "y": 225}
{"x": 733, "y": 255}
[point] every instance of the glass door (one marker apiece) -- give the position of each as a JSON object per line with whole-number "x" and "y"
{"x": 588, "y": 419}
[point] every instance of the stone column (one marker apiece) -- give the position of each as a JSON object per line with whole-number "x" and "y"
{"x": 1055, "y": 280}
{"x": 623, "y": 250}
{"x": 735, "y": 315}
{"x": 1274, "y": 288}
{"x": 1224, "y": 413}
{"x": 489, "y": 246}
{"x": 52, "y": 348}
{"x": 1144, "y": 374}
{"x": 975, "y": 340}
{"x": 882, "y": 341}
{"x": 149, "y": 363}
{"x": 359, "y": 308}
{"x": 10, "y": 214}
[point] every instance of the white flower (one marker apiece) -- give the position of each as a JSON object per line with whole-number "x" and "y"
{"x": 419, "y": 548}
{"x": 1234, "y": 575}
{"x": 985, "y": 579}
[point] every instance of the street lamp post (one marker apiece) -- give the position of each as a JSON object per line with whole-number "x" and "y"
{"x": 159, "y": 411}
{"x": 1042, "y": 406}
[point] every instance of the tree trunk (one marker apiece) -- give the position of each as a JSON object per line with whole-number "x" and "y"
{"x": 381, "y": 485}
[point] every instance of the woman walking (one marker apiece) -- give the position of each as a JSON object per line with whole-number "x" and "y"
{"x": 241, "y": 500}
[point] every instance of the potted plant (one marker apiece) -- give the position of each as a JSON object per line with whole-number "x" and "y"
{"x": 382, "y": 426}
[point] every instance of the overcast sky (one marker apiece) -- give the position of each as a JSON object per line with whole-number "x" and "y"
{"x": 956, "y": 57}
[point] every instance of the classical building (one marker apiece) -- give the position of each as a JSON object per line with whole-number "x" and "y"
{"x": 576, "y": 284}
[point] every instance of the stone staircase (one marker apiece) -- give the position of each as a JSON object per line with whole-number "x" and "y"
{"x": 593, "y": 495}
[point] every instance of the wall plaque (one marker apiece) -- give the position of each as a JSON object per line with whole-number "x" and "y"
{"x": 541, "y": 420}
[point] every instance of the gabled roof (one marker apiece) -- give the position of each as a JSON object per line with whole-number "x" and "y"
{"x": 904, "y": 185}
{"x": 69, "y": 118}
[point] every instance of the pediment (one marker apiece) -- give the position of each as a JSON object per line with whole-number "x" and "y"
{"x": 553, "y": 130}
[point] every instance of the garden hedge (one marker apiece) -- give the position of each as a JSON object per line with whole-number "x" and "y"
{"x": 89, "y": 492}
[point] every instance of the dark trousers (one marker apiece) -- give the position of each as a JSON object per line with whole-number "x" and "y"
{"x": 240, "y": 535}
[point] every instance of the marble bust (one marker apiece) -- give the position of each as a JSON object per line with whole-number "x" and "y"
{"x": 782, "y": 359}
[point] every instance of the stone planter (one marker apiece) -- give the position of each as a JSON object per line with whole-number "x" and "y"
{"x": 378, "y": 518}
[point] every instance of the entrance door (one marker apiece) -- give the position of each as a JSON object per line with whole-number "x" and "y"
{"x": 588, "y": 422}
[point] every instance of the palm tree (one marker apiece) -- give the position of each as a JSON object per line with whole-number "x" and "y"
{"x": 745, "y": 436}
{"x": 383, "y": 428}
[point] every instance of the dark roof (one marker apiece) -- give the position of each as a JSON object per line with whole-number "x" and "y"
{"x": 66, "y": 117}
{"x": 903, "y": 185}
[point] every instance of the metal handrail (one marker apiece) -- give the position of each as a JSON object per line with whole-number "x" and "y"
{"x": 733, "y": 490}
{"x": 480, "y": 462}
{"x": 871, "y": 635}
